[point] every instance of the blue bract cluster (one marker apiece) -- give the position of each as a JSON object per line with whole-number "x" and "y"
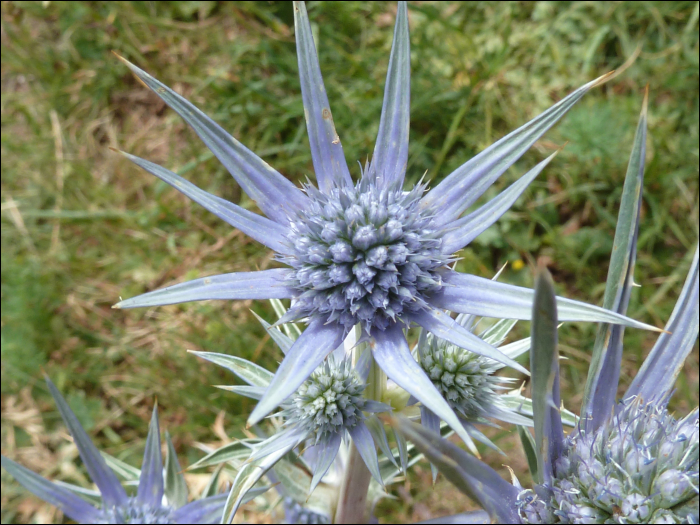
{"x": 640, "y": 467}
{"x": 364, "y": 254}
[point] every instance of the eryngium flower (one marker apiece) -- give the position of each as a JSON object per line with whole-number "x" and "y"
{"x": 324, "y": 410}
{"x": 467, "y": 380}
{"x": 329, "y": 401}
{"x": 369, "y": 252}
{"x": 156, "y": 501}
{"x": 641, "y": 466}
{"x": 366, "y": 253}
{"x": 630, "y": 462}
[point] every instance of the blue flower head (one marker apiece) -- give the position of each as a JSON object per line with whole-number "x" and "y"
{"x": 369, "y": 253}
{"x": 325, "y": 410}
{"x": 158, "y": 499}
{"x": 627, "y": 462}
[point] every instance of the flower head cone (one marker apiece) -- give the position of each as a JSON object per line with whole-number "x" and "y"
{"x": 326, "y": 409}
{"x": 369, "y": 253}
{"x": 627, "y": 462}
{"x": 158, "y": 499}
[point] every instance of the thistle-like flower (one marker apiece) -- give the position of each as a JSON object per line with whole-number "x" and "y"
{"x": 467, "y": 380}
{"x": 640, "y": 466}
{"x": 326, "y": 408}
{"x": 368, "y": 253}
{"x": 631, "y": 462}
{"x": 158, "y": 499}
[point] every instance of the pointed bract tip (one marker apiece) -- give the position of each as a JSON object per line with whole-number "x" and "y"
{"x": 542, "y": 272}
{"x": 645, "y": 102}
{"x": 117, "y": 306}
{"x": 602, "y": 79}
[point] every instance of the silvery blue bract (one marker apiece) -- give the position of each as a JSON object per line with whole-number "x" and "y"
{"x": 370, "y": 252}
{"x": 158, "y": 499}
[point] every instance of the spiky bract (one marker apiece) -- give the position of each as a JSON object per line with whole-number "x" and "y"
{"x": 329, "y": 401}
{"x": 640, "y": 467}
{"x": 364, "y": 254}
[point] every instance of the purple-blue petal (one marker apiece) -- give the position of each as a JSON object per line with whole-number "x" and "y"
{"x": 309, "y": 351}
{"x": 276, "y": 196}
{"x": 326, "y": 151}
{"x": 175, "y": 484}
{"x": 260, "y": 228}
{"x": 208, "y": 510}
{"x": 665, "y": 361}
{"x": 391, "y": 148}
{"x": 604, "y": 372}
{"x": 463, "y": 231}
{"x": 113, "y": 494}
{"x": 430, "y": 421}
{"x": 265, "y": 284}
{"x": 393, "y": 356}
{"x": 469, "y": 294}
{"x": 71, "y": 505}
{"x": 285, "y": 440}
{"x": 362, "y": 439}
{"x": 151, "y": 486}
{"x": 471, "y": 476}
{"x": 326, "y": 450}
{"x": 461, "y": 188}
{"x": 544, "y": 366}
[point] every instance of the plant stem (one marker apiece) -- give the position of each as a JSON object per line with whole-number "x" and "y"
{"x": 352, "y": 500}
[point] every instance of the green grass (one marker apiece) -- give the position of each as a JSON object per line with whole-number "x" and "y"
{"x": 82, "y": 227}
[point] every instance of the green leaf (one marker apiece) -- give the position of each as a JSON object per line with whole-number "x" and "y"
{"x": 544, "y": 367}
{"x": 528, "y": 443}
{"x": 233, "y": 451}
{"x": 175, "y": 485}
{"x": 603, "y": 373}
{"x": 247, "y": 371}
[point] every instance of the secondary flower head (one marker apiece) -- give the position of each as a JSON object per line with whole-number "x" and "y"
{"x": 641, "y": 466}
{"x": 329, "y": 401}
{"x": 156, "y": 501}
{"x": 468, "y": 381}
{"x": 372, "y": 252}
{"x": 325, "y": 409}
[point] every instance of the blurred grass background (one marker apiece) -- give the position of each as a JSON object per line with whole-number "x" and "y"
{"x": 82, "y": 227}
